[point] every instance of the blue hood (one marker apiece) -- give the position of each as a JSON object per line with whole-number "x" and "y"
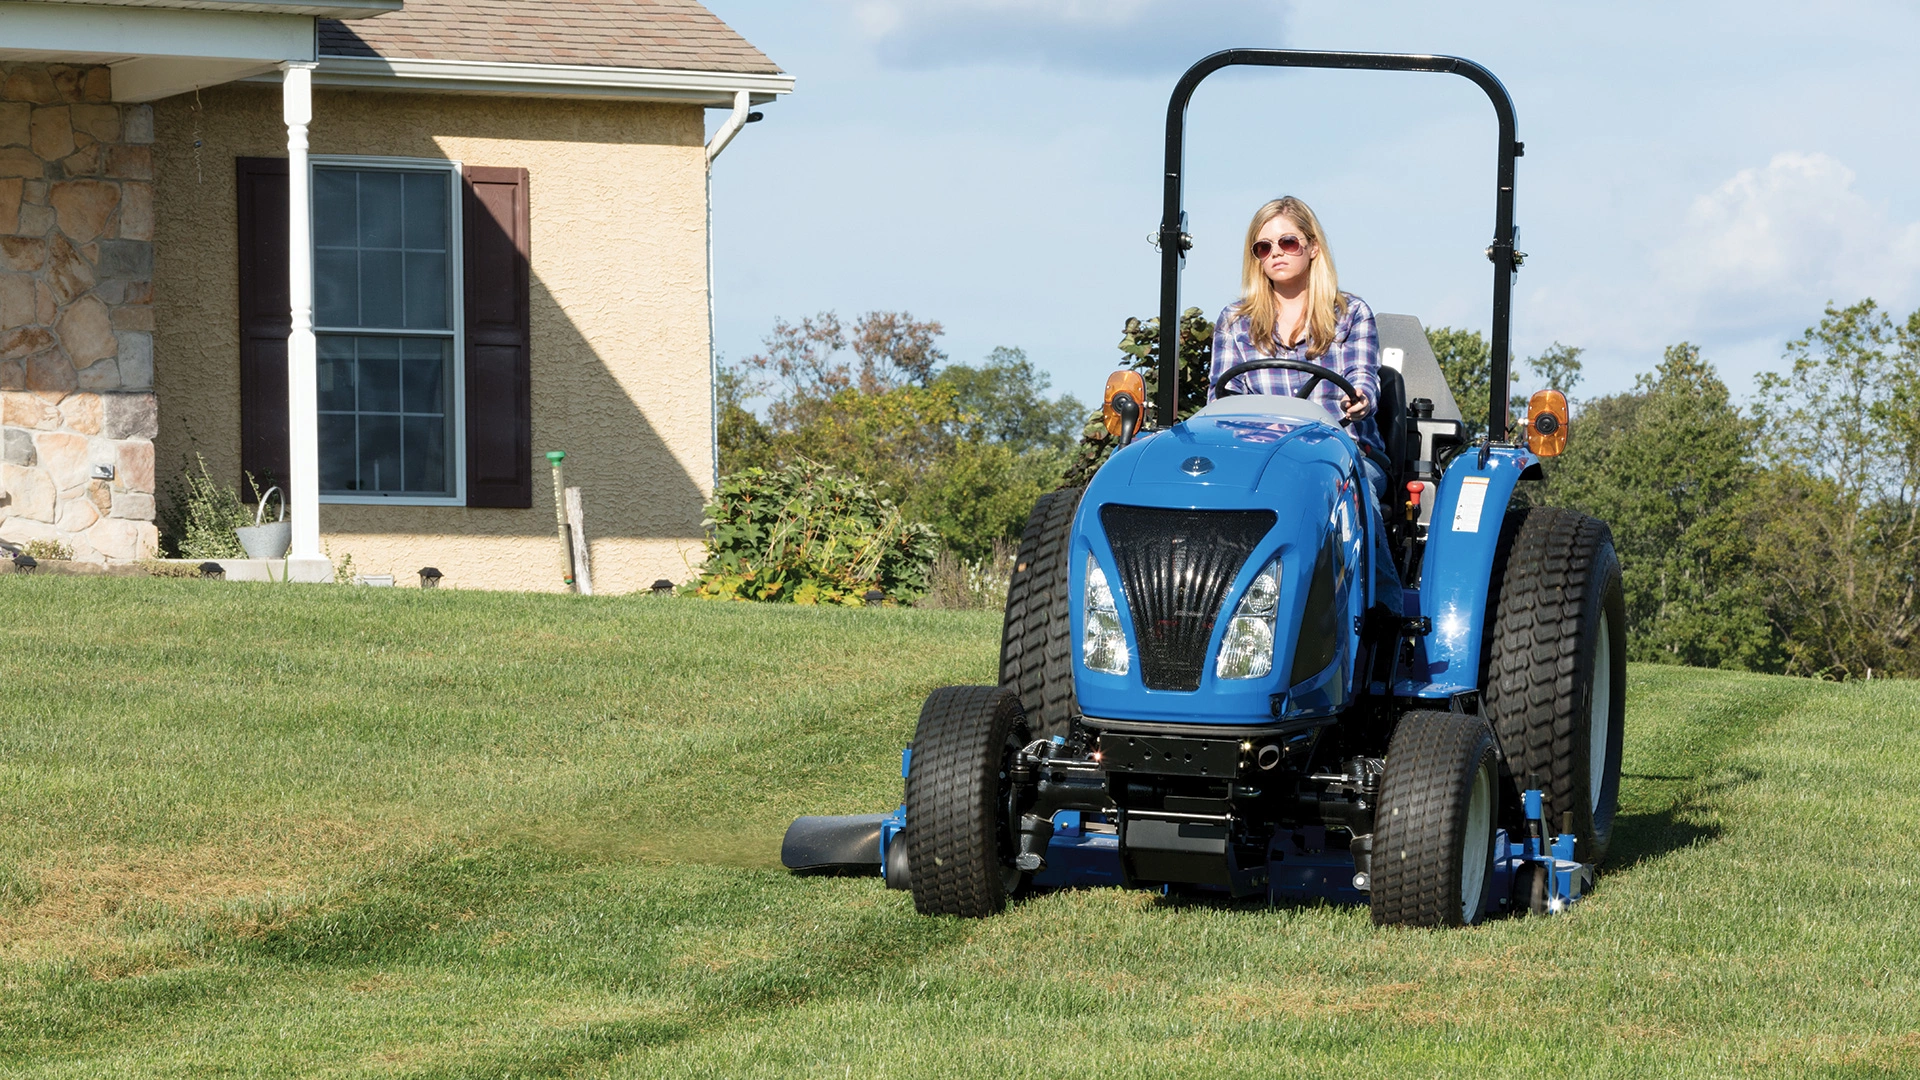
{"x": 1305, "y": 472}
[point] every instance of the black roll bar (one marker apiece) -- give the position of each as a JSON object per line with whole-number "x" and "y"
{"x": 1173, "y": 240}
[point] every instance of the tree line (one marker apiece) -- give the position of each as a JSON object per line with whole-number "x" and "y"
{"x": 1779, "y": 535}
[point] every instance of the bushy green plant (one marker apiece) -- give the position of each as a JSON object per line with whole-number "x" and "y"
{"x": 201, "y": 514}
{"x": 807, "y": 533}
{"x": 48, "y": 550}
{"x": 1140, "y": 342}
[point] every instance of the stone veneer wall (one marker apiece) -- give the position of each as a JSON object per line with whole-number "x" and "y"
{"x": 76, "y": 313}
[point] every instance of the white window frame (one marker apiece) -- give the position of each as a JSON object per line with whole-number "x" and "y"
{"x": 456, "y": 283}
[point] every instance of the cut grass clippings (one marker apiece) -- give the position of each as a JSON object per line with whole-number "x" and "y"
{"x": 261, "y": 831}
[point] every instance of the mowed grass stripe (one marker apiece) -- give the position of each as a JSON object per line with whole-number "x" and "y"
{"x": 365, "y": 832}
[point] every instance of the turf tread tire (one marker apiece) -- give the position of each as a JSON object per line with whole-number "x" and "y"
{"x": 956, "y": 857}
{"x": 1432, "y": 763}
{"x": 1558, "y": 579}
{"x": 1036, "y": 639}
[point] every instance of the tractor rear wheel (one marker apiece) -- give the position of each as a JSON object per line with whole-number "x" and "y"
{"x": 960, "y": 835}
{"x": 1036, "y": 641}
{"x": 1433, "y": 831}
{"x": 1556, "y": 681}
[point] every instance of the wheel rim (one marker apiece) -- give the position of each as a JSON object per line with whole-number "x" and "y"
{"x": 1601, "y": 720}
{"x": 1475, "y": 847}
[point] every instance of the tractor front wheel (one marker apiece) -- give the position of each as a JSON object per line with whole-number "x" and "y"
{"x": 960, "y": 837}
{"x": 1433, "y": 832}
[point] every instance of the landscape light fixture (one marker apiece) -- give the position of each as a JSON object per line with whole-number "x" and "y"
{"x": 213, "y": 571}
{"x": 663, "y": 587}
{"x": 24, "y": 563}
{"x": 430, "y": 577}
{"x": 875, "y": 596}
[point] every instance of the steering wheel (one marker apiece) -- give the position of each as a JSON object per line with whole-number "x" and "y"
{"x": 1315, "y": 374}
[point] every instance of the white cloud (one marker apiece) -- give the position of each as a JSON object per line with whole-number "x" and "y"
{"x": 1116, "y": 37}
{"x": 1787, "y": 238}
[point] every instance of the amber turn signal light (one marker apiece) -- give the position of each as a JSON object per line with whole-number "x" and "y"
{"x": 1122, "y": 404}
{"x": 1547, "y": 423}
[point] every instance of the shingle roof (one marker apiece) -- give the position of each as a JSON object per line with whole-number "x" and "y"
{"x": 669, "y": 34}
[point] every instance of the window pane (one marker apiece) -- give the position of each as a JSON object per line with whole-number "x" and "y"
{"x": 336, "y": 374}
{"x": 379, "y": 375}
{"x": 424, "y": 375}
{"x": 385, "y": 422}
{"x": 336, "y": 288}
{"x": 334, "y": 222}
{"x": 426, "y": 453}
{"x": 426, "y": 224}
{"x": 427, "y": 307}
{"x": 379, "y": 208}
{"x": 380, "y": 453}
{"x": 337, "y": 452}
{"x": 380, "y": 297}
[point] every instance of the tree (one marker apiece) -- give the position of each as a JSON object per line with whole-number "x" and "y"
{"x": 1839, "y": 523}
{"x": 1665, "y": 466}
{"x": 1003, "y": 401}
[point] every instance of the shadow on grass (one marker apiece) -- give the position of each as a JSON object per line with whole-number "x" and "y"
{"x": 1686, "y": 822}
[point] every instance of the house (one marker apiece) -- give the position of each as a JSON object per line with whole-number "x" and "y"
{"x": 384, "y": 256}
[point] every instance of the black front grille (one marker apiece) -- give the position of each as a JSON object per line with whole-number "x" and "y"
{"x": 1176, "y": 567}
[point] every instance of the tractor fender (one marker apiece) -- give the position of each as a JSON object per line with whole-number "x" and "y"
{"x": 1463, "y": 539}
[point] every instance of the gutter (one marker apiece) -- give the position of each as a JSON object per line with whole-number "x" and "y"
{"x": 740, "y": 117}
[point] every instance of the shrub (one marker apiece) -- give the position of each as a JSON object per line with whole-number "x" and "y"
{"x": 960, "y": 584}
{"x": 810, "y": 534}
{"x": 201, "y": 514}
{"x": 48, "y": 550}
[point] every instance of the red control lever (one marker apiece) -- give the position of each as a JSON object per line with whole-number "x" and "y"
{"x": 1414, "y": 489}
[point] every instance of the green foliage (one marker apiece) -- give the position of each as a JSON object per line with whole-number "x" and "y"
{"x": 1140, "y": 343}
{"x": 47, "y": 550}
{"x": 200, "y": 514}
{"x": 1003, "y": 401}
{"x": 1665, "y": 466}
{"x": 1837, "y": 518}
{"x": 808, "y": 533}
{"x": 967, "y": 449}
{"x": 979, "y": 494}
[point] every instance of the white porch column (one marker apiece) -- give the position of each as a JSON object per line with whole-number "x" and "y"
{"x": 305, "y": 562}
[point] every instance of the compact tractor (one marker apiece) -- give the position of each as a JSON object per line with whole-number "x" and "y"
{"x": 1199, "y": 691}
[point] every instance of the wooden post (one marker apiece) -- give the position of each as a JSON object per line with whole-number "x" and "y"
{"x": 555, "y": 457}
{"x": 582, "y": 557}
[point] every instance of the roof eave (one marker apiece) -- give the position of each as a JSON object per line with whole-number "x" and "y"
{"x": 705, "y": 88}
{"x": 331, "y": 9}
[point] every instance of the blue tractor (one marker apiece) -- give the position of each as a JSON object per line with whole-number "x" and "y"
{"x": 1200, "y": 692}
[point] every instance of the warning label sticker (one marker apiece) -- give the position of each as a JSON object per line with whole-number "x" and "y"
{"x": 1473, "y": 497}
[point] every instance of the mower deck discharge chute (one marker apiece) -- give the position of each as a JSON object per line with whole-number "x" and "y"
{"x": 1199, "y": 690}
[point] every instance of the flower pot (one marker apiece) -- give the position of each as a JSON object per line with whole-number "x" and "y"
{"x": 267, "y": 539}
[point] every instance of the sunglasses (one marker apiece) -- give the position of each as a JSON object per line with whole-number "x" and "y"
{"x": 1288, "y": 244}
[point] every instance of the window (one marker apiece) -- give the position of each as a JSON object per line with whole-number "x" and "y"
{"x": 386, "y": 318}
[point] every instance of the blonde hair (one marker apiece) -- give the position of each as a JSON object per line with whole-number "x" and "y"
{"x": 1323, "y": 283}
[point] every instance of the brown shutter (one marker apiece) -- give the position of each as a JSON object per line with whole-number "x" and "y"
{"x": 499, "y": 351}
{"x": 265, "y": 319}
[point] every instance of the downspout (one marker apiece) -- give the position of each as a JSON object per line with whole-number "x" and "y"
{"x": 741, "y": 102}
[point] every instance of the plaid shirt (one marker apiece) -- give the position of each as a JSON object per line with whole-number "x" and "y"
{"x": 1355, "y": 353}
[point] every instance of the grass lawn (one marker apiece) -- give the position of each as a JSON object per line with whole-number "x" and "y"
{"x": 258, "y": 830}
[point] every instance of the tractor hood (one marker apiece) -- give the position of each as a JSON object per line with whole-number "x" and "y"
{"x": 1180, "y": 523}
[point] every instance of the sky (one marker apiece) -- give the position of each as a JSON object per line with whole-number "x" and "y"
{"x": 1706, "y": 172}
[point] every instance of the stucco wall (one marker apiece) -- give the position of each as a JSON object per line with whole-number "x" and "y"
{"x": 621, "y": 379}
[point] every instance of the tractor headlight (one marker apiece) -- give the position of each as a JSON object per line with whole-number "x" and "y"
{"x": 1247, "y": 650}
{"x": 1104, "y": 641}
